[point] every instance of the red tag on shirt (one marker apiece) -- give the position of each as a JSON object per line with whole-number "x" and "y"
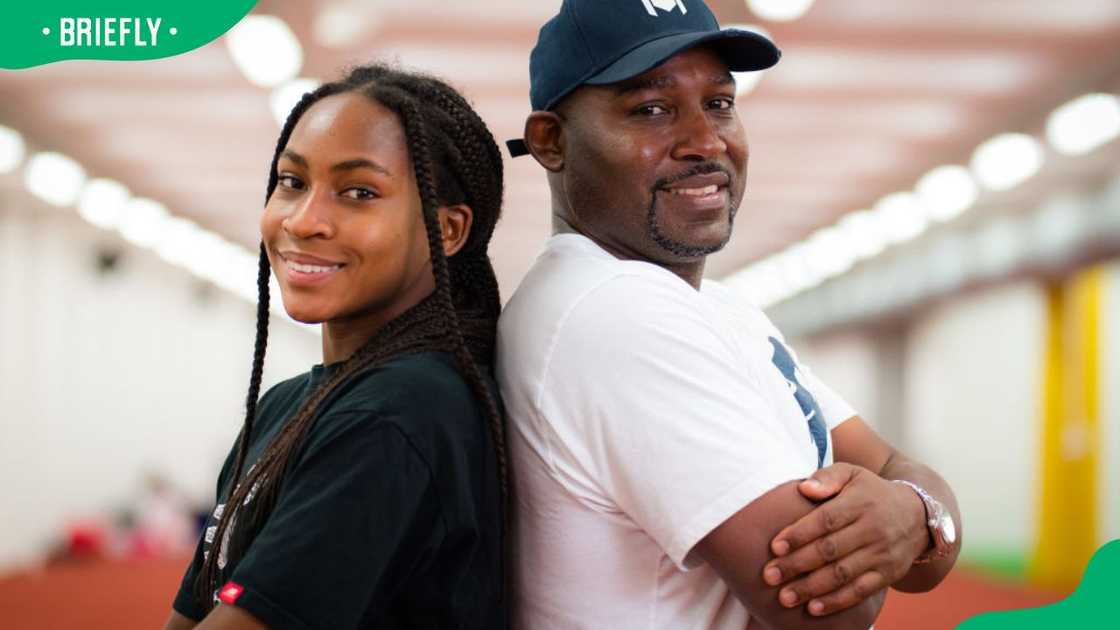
{"x": 230, "y": 592}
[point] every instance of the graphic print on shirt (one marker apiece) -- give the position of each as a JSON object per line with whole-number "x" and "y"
{"x": 212, "y": 529}
{"x": 785, "y": 364}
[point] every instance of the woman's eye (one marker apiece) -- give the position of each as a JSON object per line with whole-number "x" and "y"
{"x": 290, "y": 181}
{"x": 359, "y": 194}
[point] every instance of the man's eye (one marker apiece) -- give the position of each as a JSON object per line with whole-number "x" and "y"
{"x": 290, "y": 181}
{"x": 652, "y": 110}
{"x": 359, "y": 194}
{"x": 722, "y": 103}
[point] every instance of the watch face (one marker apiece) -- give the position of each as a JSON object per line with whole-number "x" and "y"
{"x": 948, "y": 529}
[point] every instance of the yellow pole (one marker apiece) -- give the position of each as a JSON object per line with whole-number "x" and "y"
{"x": 1070, "y": 437}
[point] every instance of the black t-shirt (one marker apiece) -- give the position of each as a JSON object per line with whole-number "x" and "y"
{"x": 389, "y": 514}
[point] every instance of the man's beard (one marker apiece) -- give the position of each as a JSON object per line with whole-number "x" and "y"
{"x": 675, "y": 247}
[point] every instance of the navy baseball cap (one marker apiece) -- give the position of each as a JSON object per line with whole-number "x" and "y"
{"x": 599, "y": 42}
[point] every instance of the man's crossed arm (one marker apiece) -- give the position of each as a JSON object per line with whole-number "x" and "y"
{"x": 820, "y": 553}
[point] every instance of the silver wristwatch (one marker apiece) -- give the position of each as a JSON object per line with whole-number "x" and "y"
{"x": 942, "y": 529}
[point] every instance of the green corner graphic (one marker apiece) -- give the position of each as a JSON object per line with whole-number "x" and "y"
{"x": 37, "y": 33}
{"x": 1087, "y": 607}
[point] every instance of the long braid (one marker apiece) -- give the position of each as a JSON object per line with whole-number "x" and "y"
{"x": 456, "y": 160}
{"x": 264, "y": 272}
{"x": 476, "y": 271}
{"x": 473, "y": 269}
{"x": 479, "y": 166}
{"x": 421, "y": 159}
{"x": 482, "y": 151}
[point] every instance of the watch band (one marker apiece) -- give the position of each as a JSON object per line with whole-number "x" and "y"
{"x": 936, "y": 514}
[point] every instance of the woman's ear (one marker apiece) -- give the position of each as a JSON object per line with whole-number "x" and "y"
{"x": 455, "y": 227}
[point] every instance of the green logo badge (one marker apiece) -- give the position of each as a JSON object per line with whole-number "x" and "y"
{"x": 36, "y": 33}
{"x": 1088, "y": 607}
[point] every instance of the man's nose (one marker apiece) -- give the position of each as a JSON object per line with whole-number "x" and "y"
{"x": 699, "y": 137}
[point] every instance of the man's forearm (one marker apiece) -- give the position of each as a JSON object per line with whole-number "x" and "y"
{"x": 923, "y": 577}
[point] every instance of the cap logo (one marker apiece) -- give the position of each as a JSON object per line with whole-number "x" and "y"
{"x": 665, "y": 5}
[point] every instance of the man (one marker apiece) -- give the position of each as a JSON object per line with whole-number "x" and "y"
{"x": 659, "y": 428}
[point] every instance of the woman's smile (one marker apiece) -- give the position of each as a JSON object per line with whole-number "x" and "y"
{"x": 306, "y": 270}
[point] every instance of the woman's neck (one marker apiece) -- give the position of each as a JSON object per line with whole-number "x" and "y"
{"x": 344, "y": 336}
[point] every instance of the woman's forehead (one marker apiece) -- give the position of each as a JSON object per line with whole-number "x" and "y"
{"x": 351, "y": 124}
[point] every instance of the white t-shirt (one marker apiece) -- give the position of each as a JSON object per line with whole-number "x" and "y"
{"x": 642, "y": 415}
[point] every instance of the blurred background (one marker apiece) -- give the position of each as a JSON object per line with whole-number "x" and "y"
{"x": 932, "y": 217}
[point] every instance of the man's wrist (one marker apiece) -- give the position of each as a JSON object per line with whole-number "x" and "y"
{"x": 940, "y": 529}
{"x": 919, "y": 527}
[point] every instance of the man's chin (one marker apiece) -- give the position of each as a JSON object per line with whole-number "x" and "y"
{"x": 693, "y": 246}
{"x": 692, "y": 240}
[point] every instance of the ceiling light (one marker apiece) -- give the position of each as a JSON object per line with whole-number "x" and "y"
{"x": 946, "y": 191}
{"x": 233, "y": 268}
{"x": 861, "y": 230}
{"x": 900, "y": 217}
{"x": 206, "y": 259}
{"x": 1006, "y": 161}
{"x": 1084, "y": 123}
{"x": 265, "y": 50}
{"x": 285, "y": 97}
{"x": 143, "y": 222}
{"x": 797, "y": 271}
{"x": 829, "y": 252}
{"x": 746, "y": 82}
{"x": 176, "y": 246}
{"x": 102, "y": 202}
{"x": 12, "y": 149}
{"x": 343, "y": 24}
{"x": 54, "y": 178}
{"x": 779, "y": 10}
{"x": 229, "y": 265}
{"x": 759, "y": 282}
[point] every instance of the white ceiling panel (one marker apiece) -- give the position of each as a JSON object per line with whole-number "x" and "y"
{"x": 869, "y": 95}
{"x": 1001, "y": 16}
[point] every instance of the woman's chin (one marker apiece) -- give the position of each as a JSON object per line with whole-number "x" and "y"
{"x": 305, "y": 315}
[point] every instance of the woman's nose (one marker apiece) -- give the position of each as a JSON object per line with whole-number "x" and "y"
{"x": 309, "y": 217}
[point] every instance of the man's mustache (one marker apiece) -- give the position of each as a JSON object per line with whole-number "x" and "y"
{"x": 704, "y": 168}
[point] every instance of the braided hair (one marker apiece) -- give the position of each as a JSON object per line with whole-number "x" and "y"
{"x": 455, "y": 160}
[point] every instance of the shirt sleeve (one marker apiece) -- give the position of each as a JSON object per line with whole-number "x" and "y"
{"x": 833, "y": 406}
{"x": 185, "y": 603}
{"x": 653, "y": 413}
{"x": 331, "y": 550}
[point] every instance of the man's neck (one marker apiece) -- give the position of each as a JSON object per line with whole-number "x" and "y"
{"x": 690, "y": 272}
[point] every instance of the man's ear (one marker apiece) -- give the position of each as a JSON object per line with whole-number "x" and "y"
{"x": 545, "y": 138}
{"x": 455, "y": 227}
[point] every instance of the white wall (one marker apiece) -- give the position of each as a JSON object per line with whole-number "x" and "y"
{"x": 959, "y": 389}
{"x": 973, "y": 379}
{"x": 104, "y": 377}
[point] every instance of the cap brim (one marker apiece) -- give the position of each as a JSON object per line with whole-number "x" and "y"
{"x": 742, "y": 51}
{"x": 517, "y": 147}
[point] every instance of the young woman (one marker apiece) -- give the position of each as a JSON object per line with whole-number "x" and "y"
{"x": 368, "y": 492}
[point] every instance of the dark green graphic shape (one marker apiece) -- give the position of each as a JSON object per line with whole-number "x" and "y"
{"x": 31, "y": 32}
{"x": 1087, "y": 607}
